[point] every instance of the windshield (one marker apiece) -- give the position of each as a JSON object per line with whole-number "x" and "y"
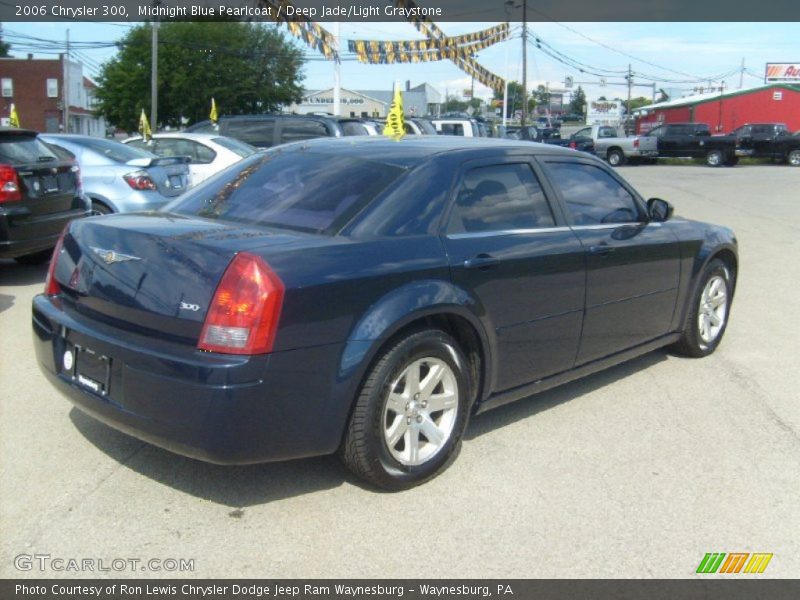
{"x": 23, "y": 150}
{"x": 294, "y": 189}
{"x": 240, "y": 148}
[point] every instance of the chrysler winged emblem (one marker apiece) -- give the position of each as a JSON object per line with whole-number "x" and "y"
{"x": 109, "y": 256}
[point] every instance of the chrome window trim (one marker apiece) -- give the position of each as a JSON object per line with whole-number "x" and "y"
{"x": 484, "y": 234}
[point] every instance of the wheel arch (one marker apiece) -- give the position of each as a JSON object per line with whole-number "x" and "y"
{"x": 94, "y": 197}
{"x": 421, "y": 305}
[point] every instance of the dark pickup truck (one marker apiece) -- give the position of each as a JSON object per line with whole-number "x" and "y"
{"x": 550, "y": 135}
{"x": 694, "y": 140}
{"x": 768, "y": 140}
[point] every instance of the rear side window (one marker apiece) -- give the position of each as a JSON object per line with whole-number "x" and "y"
{"x": 353, "y": 128}
{"x": 295, "y": 130}
{"x": 452, "y": 129}
{"x": 24, "y": 150}
{"x": 256, "y": 132}
{"x": 297, "y": 190}
{"x": 593, "y": 197}
{"x": 235, "y": 146}
{"x": 498, "y": 198}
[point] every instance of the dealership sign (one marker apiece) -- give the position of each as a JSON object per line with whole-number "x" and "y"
{"x": 782, "y": 72}
{"x": 605, "y": 112}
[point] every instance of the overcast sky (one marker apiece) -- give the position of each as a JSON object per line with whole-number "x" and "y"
{"x": 661, "y": 51}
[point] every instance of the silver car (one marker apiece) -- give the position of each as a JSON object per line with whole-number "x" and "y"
{"x": 120, "y": 178}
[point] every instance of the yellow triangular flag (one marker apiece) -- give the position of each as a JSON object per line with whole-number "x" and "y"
{"x": 13, "y": 117}
{"x": 213, "y": 115}
{"x": 144, "y": 127}
{"x": 395, "y": 122}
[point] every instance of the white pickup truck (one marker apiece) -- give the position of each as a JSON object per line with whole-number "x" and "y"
{"x": 611, "y": 144}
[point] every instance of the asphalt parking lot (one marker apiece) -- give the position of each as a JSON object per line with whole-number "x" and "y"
{"x": 634, "y": 472}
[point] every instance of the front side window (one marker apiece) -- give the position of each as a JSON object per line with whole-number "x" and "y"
{"x": 592, "y": 196}
{"x": 257, "y": 132}
{"x": 295, "y": 130}
{"x": 500, "y": 198}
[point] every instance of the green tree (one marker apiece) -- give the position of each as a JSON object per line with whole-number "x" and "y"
{"x": 246, "y": 67}
{"x": 453, "y": 104}
{"x": 4, "y": 46}
{"x": 578, "y": 103}
{"x": 637, "y": 103}
{"x": 514, "y": 102}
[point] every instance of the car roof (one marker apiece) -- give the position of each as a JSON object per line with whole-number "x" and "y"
{"x": 200, "y": 137}
{"x": 409, "y": 151}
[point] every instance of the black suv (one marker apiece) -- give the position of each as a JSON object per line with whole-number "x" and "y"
{"x": 768, "y": 140}
{"x": 265, "y": 131}
{"x": 39, "y": 194}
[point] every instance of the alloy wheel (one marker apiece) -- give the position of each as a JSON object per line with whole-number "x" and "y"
{"x": 420, "y": 411}
{"x": 713, "y": 309}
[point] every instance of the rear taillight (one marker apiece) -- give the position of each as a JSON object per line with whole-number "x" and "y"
{"x": 139, "y": 180}
{"x": 9, "y": 184}
{"x": 243, "y": 316}
{"x": 51, "y": 286}
{"x": 573, "y": 145}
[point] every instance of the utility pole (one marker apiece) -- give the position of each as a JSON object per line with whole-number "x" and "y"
{"x": 524, "y": 62}
{"x": 154, "y": 77}
{"x": 66, "y": 88}
{"x": 337, "y": 75}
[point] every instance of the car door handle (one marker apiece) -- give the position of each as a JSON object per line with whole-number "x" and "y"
{"x": 601, "y": 249}
{"x": 482, "y": 262}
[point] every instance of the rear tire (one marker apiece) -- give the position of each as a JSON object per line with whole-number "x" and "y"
{"x": 794, "y": 158}
{"x": 715, "y": 158}
{"x": 708, "y": 314}
{"x": 99, "y": 209}
{"x": 39, "y": 258}
{"x": 411, "y": 413}
{"x": 616, "y": 158}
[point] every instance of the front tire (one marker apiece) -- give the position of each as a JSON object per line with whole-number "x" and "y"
{"x": 708, "y": 315}
{"x": 411, "y": 413}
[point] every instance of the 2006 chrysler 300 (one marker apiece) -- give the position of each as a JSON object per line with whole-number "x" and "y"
{"x": 366, "y": 296}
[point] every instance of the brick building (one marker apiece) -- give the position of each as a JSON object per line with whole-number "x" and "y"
{"x": 36, "y": 87}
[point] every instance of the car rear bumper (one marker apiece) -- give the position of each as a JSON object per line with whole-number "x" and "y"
{"x": 218, "y": 408}
{"x": 22, "y": 233}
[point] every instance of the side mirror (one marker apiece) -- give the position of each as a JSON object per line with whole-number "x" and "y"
{"x": 659, "y": 210}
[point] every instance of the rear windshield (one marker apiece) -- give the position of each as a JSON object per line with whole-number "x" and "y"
{"x": 112, "y": 150}
{"x": 24, "y": 150}
{"x": 240, "y": 148}
{"x": 297, "y": 190}
{"x": 426, "y": 127}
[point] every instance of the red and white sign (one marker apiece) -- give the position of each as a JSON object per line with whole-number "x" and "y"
{"x": 782, "y": 72}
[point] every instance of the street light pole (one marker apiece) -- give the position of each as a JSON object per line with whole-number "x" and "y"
{"x": 524, "y": 62}
{"x": 154, "y": 75}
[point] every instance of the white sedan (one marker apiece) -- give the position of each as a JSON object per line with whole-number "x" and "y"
{"x": 209, "y": 153}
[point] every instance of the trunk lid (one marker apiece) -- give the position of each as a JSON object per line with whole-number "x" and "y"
{"x": 47, "y": 184}
{"x": 156, "y": 273}
{"x": 170, "y": 174}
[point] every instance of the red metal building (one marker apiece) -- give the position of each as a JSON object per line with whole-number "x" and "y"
{"x": 724, "y": 112}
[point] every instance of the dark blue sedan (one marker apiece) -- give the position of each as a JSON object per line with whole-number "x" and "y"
{"x": 367, "y": 296}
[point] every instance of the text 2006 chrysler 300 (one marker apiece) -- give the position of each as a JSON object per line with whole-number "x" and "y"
{"x": 366, "y": 296}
